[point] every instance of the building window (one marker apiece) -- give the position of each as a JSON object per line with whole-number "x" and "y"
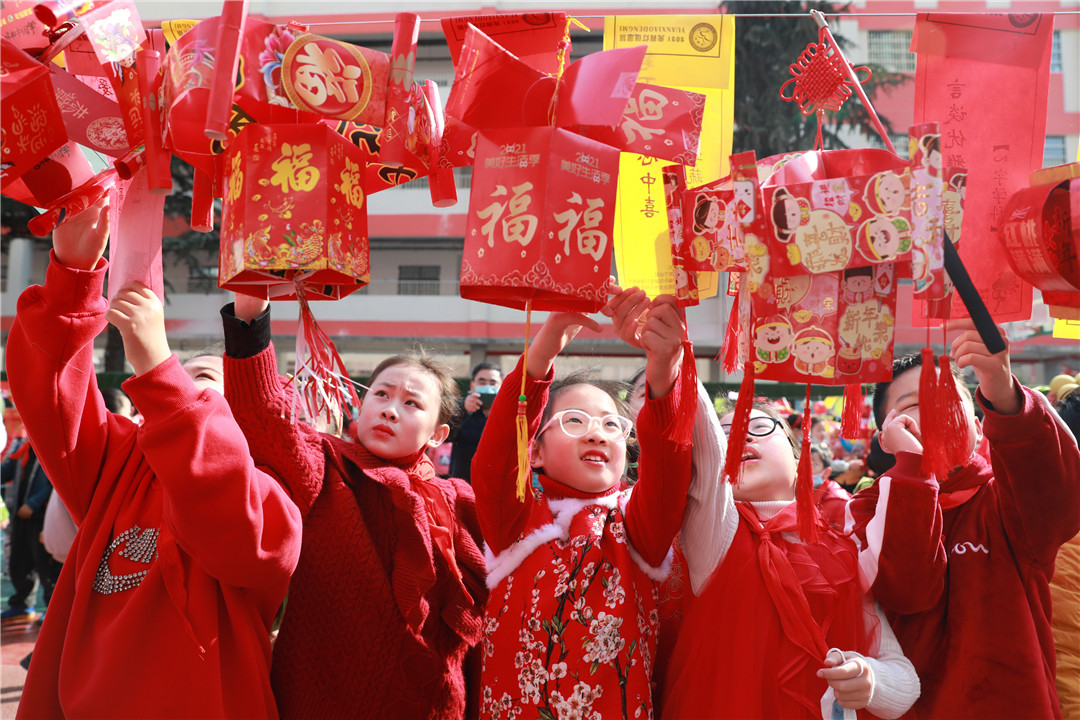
{"x": 1055, "y": 53}
{"x": 1054, "y": 151}
{"x": 203, "y": 279}
{"x": 418, "y": 279}
{"x": 899, "y": 141}
{"x": 889, "y": 48}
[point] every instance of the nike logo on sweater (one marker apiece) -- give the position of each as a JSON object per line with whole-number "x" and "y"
{"x": 141, "y": 547}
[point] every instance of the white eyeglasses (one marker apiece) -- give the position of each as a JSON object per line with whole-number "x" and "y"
{"x": 577, "y": 423}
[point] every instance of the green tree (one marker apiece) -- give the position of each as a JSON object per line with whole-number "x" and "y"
{"x": 764, "y": 49}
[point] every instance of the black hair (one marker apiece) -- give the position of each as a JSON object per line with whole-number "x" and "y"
{"x": 823, "y": 451}
{"x": 900, "y": 366}
{"x": 114, "y": 398}
{"x": 484, "y": 366}
{"x": 1068, "y": 408}
{"x": 215, "y": 350}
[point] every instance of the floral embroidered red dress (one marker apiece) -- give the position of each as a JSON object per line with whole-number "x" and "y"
{"x": 571, "y": 621}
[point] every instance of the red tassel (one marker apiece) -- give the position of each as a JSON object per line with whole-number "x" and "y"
{"x": 805, "y": 512}
{"x": 682, "y": 428}
{"x": 730, "y": 351}
{"x": 953, "y": 420}
{"x": 933, "y": 458}
{"x": 740, "y": 422}
{"x": 851, "y": 420}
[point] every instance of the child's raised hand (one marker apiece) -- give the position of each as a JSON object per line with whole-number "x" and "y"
{"x": 662, "y": 335}
{"x": 137, "y": 314}
{"x": 994, "y": 371}
{"x": 852, "y": 681}
{"x": 247, "y": 308}
{"x": 625, "y": 308}
{"x": 554, "y": 335}
{"x": 900, "y": 433}
{"x": 80, "y": 242}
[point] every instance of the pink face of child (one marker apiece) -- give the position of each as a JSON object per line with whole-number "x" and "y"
{"x": 591, "y": 463}
{"x": 400, "y": 413}
{"x": 859, "y": 283}
{"x": 773, "y": 337}
{"x": 207, "y": 372}
{"x": 890, "y": 193}
{"x": 884, "y": 238}
{"x": 767, "y": 470}
{"x": 712, "y": 217}
{"x": 813, "y": 351}
{"x": 791, "y": 213}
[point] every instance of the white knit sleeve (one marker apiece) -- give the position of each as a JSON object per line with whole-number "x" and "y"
{"x": 896, "y": 685}
{"x": 711, "y": 519}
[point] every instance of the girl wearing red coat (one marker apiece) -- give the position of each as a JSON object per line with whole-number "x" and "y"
{"x": 573, "y": 570}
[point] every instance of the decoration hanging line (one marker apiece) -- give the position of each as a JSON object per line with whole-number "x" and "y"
{"x": 795, "y": 16}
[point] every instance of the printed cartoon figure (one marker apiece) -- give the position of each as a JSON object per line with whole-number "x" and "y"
{"x": 886, "y": 194}
{"x": 813, "y": 350}
{"x": 952, "y": 204}
{"x": 930, "y": 145}
{"x": 920, "y": 269}
{"x": 788, "y": 214}
{"x": 848, "y": 360}
{"x": 858, "y": 284}
{"x": 708, "y": 214}
{"x": 882, "y": 238}
{"x": 744, "y": 201}
{"x": 772, "y": 339}
{"x": 685, "y": 287}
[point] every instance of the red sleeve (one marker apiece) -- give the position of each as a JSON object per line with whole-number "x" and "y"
{"x": 1041, "y": 510}
{"x": 50, "y": 366}
{"x": 289, "y": 448}
{"x": 235, "y": 520}
{"x": 898, "y": 522}
{"x": 494, "y": 467}
{"x": 655, "y": 510}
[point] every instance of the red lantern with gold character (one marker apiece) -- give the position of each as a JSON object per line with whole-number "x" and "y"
{"x": 295, "y": 213}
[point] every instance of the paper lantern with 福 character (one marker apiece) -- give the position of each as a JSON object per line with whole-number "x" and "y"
{"x": 294, "y": 213}
{"x": 540, "y": 220}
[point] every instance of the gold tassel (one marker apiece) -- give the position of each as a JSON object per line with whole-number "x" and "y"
{"x": 524, "y": 474}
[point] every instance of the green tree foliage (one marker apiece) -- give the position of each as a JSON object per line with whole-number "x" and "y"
{"x": 764, "y": 49}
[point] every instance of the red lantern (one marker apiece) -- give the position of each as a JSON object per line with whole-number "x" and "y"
{"x": 294, "y": 212}
{"x": 540, "y": 220}
{"x": 31, "y": 126}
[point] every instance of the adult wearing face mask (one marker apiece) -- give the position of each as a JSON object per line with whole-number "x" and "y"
{"x": 486, "y": 379}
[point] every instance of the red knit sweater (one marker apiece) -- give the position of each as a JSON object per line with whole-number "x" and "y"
{"x": 965, "y": 573}
{"x": 184, "y": 549}
{"x": 377, "y": 625}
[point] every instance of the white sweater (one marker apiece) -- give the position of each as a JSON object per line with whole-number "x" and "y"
{"x": 708, "y": 530}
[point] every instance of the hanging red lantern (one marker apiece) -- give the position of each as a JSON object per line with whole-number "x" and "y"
{"x": 295, "y": 212}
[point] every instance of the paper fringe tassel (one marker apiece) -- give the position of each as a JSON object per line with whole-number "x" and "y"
{"x": 953, "y": 422}
{"x": 805, "y": 511}
{"x": 323, "y": 385}
{"x": 740, "y": 421}
{"x": 851, "y": 419}
{"x": 933, "y": 457}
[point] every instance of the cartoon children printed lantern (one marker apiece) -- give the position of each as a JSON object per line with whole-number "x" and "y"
{"x": 295, "y": 213}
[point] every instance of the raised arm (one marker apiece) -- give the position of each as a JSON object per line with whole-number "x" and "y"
{"x": 291, "y": 450}
{"x": 655, "y": 510}
{"x": 495, "y": 465}
{"x": 50, "y": 364}
{"x": 1042, "y": 510}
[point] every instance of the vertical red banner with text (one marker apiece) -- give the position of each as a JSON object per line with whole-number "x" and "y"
{"x": 963, "y": 63}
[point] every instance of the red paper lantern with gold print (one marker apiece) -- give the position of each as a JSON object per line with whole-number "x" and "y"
{"x": 31, "y": 126}
{"x": 294, "y": 213}
{"x": 548, "y": 194}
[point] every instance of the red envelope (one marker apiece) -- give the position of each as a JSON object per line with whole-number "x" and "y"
{"x": 32, "y": 125}
{"x": 533, "y": 37}
{"x": 541, "y": 216}
{"x": 295, "y": 212}
{"x": 91, "y": 119}
{"x": 657, "y": 121}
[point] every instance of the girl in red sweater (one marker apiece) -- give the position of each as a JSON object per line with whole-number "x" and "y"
{"x": 756, "y": 639}
{"x": 386, "y": 601}
{"x": 570, "y": 626}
